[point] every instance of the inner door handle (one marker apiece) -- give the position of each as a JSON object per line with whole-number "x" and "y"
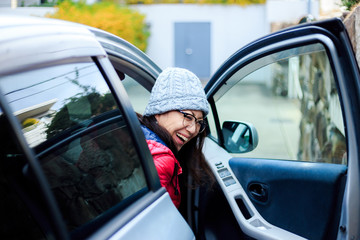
{"x": 259, "y": 191}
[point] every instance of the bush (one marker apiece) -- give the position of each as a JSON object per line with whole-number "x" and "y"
{"x": 121, "y": 21}
{"x": 349, "y": 4}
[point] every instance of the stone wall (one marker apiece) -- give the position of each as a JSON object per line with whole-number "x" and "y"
{"x": 322, "y": 137}
{"x": 321, "y": 126}
{"x": 352, "y": 24}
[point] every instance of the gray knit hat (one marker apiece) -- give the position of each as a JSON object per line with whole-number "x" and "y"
{"x": 177, "y": 89}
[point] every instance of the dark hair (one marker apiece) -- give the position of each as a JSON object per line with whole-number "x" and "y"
{"x": 151, "y": 123}
{"x": 190, "y": 155}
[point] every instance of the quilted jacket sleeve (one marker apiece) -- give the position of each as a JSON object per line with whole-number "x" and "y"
{"x": 165, "y": 161}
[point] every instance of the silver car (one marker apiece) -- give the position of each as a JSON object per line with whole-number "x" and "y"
{"x": 282, "y": 139}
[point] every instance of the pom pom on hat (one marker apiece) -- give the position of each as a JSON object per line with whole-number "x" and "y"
{"x": 177, "y": 89}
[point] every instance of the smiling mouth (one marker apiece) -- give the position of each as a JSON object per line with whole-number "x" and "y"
{"x": 182, "y": 137}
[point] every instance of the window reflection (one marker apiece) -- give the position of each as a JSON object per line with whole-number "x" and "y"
{"x": 48, "y": 102}
{"x": 70, "y": 118}
{"x": 138, "y": 95}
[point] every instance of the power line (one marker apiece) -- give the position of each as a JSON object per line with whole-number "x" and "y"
{"x": 48, "y": 80}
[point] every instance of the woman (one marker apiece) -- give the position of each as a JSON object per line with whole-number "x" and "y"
{"x": 173, "y": 124}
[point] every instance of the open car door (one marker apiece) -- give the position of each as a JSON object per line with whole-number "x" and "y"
{"x": 283, "y": 140}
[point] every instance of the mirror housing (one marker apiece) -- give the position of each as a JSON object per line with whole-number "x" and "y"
{"x": 239, "y": 137}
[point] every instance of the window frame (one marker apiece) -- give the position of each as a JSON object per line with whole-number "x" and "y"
{"x": 266, "y": 50}
{"x": 236, "y": 78}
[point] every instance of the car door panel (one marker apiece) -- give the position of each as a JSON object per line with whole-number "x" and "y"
{"x": 159, "y": 213}
{"x": 301, "y": 194}
{"x": 300, "y": 180}
{"x": 219, "y": 222}
{"x": 252, "y": 224}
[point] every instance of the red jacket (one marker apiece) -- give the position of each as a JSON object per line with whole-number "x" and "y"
{"x": 165, "y": 162}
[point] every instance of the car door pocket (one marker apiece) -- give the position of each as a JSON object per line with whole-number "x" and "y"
{"x": 258, "y": 192}
{"x": 243, "y": 208}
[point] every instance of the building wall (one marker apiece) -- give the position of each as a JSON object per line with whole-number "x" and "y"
{"x": 229, "y": 28}
{"x": 329, "y": 7}
{"x": 290, "y": 10}
{"x": 18, "y": 3}
{"x": 232, "y": 27}
{"x": 5, "y": 4}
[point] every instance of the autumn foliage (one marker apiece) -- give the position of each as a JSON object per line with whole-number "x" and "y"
{"x": 121, "y": 21}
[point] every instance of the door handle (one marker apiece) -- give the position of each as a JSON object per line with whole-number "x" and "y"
{"x": 258, "y": 192}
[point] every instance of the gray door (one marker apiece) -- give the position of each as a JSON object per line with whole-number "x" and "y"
{"x": 192, "y": 47}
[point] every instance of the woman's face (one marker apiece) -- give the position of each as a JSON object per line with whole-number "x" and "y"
{"x": 173, "y": 122}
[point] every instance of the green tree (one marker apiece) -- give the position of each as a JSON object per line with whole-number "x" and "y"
{"x": 79, "y": 108}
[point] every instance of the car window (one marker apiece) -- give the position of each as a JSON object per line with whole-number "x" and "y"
{"x": 138, "y": 94}
{"x": 71, "y": 120}
{"x": 292, "y": 100}
{"x": 17, "y": 222}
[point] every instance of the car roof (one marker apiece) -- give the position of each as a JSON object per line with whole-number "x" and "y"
{"x": 31, "y": 42}
{"x": 122, "y": 49}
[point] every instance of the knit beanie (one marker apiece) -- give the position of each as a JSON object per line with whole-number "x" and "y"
{"x": 176, "y": 89}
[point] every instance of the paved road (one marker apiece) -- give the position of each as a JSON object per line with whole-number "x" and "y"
{"x": 276, "y": 119}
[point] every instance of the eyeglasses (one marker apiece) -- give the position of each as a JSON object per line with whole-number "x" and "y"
{"x": 189, "y": 121}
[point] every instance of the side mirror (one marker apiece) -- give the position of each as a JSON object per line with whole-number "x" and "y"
{"x": 239, "y": 137}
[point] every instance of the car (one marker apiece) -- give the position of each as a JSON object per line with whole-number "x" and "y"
{"x": 282, "y": 138}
